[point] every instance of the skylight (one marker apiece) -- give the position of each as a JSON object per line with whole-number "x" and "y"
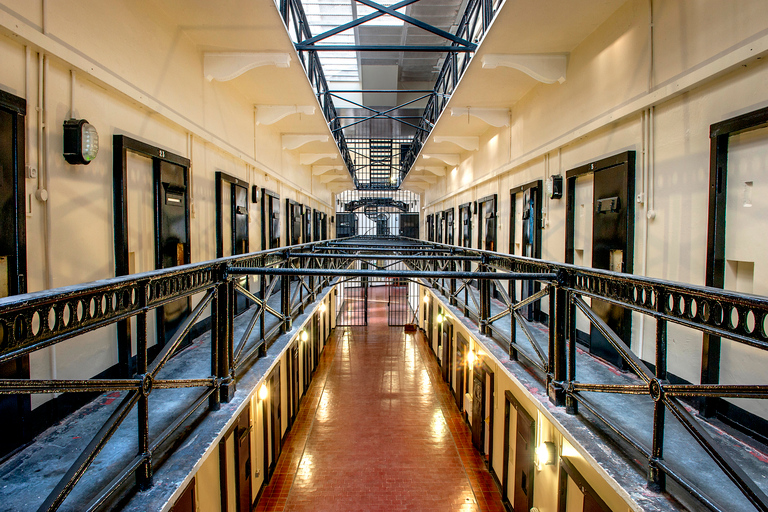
{"x": 322, "y": 16}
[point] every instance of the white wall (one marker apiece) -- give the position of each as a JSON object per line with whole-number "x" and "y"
{"x": 137, "y": 48}
{"x": 619, "y": 96}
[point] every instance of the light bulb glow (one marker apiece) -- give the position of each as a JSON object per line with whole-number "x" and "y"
{"x": 322, "y": 307}
{"x": 304, "y": 335}
{"x": 471, "y": 357}
{"x": 263, "y": 392}
{"x": 426, "y": 299}
{"x": 545, "y": 453}
{"x": 440, "y": 318}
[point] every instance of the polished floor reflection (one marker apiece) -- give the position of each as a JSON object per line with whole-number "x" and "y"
{"x": 379, "y": 431}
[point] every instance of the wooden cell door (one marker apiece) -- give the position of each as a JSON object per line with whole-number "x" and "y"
{"x": 524, "y": 450}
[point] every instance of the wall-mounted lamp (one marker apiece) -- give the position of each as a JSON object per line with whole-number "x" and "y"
{"x": 471, "y": 358}
{"x": 322, "y": 307}
{"x": 426, "y": 299}
{"x": 546, "y": 454}
{"x": 304, "y": 335}
{"x": 263, "y": 392}
{"x": 81, "y": 142}
{"x": 440, "y": 318}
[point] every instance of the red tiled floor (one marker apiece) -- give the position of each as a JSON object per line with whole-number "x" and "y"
{"x": 379, "y": 430}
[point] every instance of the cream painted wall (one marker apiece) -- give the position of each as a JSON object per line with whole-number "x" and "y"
{"x": 207, "y": 486}
{"x": 143, "y": 49}
{"x": 610, "y": 69}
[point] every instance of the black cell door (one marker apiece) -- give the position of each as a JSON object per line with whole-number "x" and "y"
{"x": 409, "y": 225}
{"x": 612, "y": 227}
{"x": 528, "y": 221}
{"x": 431, "y": 227}
{"x": 13, "y": 258}
{"x": 166, "y": 198}
{"x": 307, "y": 225}
{"x": 449, "y": 226}
{"x": 439, "y": 223}
{"x": 295, "y": 222}
{"x": 270, "y": 220}
{"x": 232, "y": 224}
{"x": 346, "y": 225}
{"x": 486, "y": 232}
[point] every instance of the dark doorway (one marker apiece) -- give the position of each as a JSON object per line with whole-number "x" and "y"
{"x": 292, "y": 370}
{"x": 525, "y": 219}
{"x": 612, "y": 209}
{"x": 242, "y": 433}
{"x": 321, "y": 221}
{"x": 306, "y": 233}
{"x": 170, "y": 199}
{"x": 409, "y": 225}
{"x": 186, "y": 502}
{"x": 440, "y": 228}
{"x": 524, "y": 450}
{"x": 482, "y": 409}
{"x": 346, "y": 225}
{"x": 270, "y": 220}
{"x": 465, "y": 225}
{"x": 232, "y": 225}
{"x": 13, "y": 258}
{"x": 462, "y": 347}
{"x": 486, "y": 227}
{"x": 446, "y": 345}
{"x": 294, "y": 222}
{"x": 449, "y": 226}
{"x": 275, "y": 425}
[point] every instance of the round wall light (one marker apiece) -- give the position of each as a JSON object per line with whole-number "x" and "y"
{"x": 81, "y": 141}
{"x": 304, "y": 335}
{"x": 546, "y": 453}
{"x": 263, "y": 392}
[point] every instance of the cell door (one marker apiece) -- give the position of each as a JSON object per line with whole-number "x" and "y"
{"x": 317, "y": 230}
{"x": 465, "y": 225}
{"x": 449, "y": 226}
{"x": 295, "y": 222}
{"x": 152, "y": 226}
{"x": 13, "y": 257}
{"x": 446, "y": 335}
{"x": 525, "y": 237}
{"x": 306, "y": 235}
{"x": 242, "y": 435}
{"x": 294, "y": 374}
{"x": 232, "y": 225}
{"x": 478, "y": 408}
{"x": 430, "y": 227}
{"x": 486, "y": 233}
{"x": 439, "y": 223}
{"x": 461, "y": 370}
{"x": 275, "y": 435}
{"x": 409, "y": 225}
{"x": 611, "y": 208}
{"x": 524, "y": 450}
{"x": 270, "y": 220}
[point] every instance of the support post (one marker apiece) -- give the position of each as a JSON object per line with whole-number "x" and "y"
{"x": 485, "y": 300}
{"x": 285, "y": 302}
{"x": 557, "y": 331}
{"x": 571, "y": 405}
{"x": 214, "y": 402}
{"x": 657, "y": 478}
{"x": 224, "y": 336}
{"x": 144, "y": 471}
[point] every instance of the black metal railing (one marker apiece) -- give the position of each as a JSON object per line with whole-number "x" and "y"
{"x": 34, "y": 321}
{"x": 474, "y": 24}
{"x": 298, "y": 28}
{"x": 740, "y": 318}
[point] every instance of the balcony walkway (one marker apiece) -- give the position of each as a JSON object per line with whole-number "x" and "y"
{"x": 379, "y": 430}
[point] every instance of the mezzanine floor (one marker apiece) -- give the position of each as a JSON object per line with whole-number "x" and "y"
{"x": 379, "y": 430}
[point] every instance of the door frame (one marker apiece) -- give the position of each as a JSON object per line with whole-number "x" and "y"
{"x": 222, "y": 177}
{"x": 511, "y": 402}
{"x": 464, "y": 241}
{"x": 569, "y": 470}
{"x": 535, "y": 308}
{"x": 267, "y": 199}
{"x": 493, "y": 199}
{"x": 17, "y": 107}
{"x": 625, "y": 158}
{"x": 121, "y": 145}
{"x": 720, "y": 134}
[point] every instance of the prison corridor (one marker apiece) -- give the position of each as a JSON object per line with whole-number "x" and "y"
{"x": 379, "y": 430}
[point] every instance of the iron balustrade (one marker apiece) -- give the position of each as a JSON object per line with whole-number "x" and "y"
{"x": 474, "y": 24}
{"x": 37, "y": 320}
{"x": 296, "y": 24}
{"x": 711, "y": 311}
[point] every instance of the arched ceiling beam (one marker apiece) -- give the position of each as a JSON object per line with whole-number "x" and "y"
{"x": 497, "y": 117}
{"x": 466, "y": 142}
{"x": 294, "y": 141}
{"x": 270, "y": 114}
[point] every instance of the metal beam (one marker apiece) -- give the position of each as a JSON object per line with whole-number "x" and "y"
{"x": 383, "y": 113}
{"x": 354, "y": 23}
{"x": 505, "y": 276}
{"x": 380, "y": 48}
{"x": 419, "y": 23}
